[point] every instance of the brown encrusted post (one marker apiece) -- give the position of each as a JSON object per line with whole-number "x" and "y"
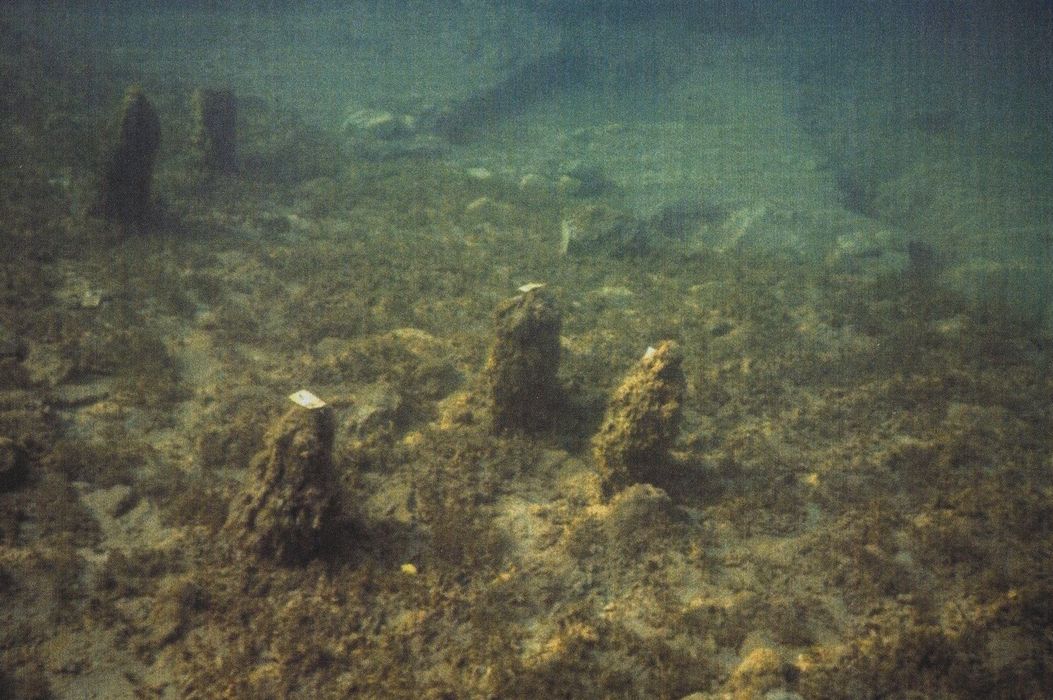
{"x": 215, "y": 124}
{"x": 521, "y": 370}
{"x": 289, "y": 495}
{"x": 642, "y": 420}
{"x": 124, "y": 187}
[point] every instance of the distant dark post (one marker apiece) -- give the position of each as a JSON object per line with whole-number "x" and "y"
{"x": 215, "y": 122}
{"x": 124, "y": 190}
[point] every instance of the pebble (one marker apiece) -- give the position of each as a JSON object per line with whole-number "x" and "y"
{"x": 377, "y": 124}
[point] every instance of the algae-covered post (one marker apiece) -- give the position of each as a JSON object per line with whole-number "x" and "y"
{"x": 215, "y": 124}
{"x": 124, "y": 186}
{"x": 289, "y": 496}
{"x": 642, "y": 420}
{"x": 521, "y": 370}
{"x": 14, "y": 465}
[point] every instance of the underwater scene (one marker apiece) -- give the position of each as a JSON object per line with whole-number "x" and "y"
{"x": 442, "y": 349}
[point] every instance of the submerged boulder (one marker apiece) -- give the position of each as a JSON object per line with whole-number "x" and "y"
{"x": 289, "y": 495}
{"x": 643, "y": 419}
{"x": 598, "y": 230}
{"x": 521, "y": 370}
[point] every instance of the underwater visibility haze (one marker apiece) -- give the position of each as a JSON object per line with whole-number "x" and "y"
{"x": 689, "y": 349}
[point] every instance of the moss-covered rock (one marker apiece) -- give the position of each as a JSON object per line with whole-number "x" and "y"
{"x": 761, "y": 671}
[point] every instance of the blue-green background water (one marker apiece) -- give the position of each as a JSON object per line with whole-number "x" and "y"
{"x": 820, "y": 124}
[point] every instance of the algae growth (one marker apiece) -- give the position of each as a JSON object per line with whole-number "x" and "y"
{"x": 686, "y": 469}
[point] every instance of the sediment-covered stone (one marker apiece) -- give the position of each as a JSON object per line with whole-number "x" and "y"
{"x": 643, "y": 419}
{"x": 521, "y": 370}
{"x": 289, "y": 495}
{"x": 636, "y": 518}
